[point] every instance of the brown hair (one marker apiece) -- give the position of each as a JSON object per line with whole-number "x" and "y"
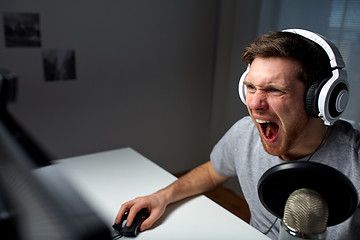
{"x": 313, "y": 58}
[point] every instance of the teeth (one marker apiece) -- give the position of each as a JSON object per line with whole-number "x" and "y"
{"x": 267, "y": 131}
{"x": 261, "y": 121}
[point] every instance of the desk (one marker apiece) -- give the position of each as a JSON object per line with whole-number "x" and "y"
{"x": 108, "y": 179}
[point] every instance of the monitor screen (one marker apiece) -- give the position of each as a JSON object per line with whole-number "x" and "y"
{"x": 36, "y": 200}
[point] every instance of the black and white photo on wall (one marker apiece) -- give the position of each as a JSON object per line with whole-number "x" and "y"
{"x": 22, "y": 29}
{"x": 59, "y": 64}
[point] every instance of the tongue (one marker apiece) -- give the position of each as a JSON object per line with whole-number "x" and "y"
{"x": 271, "y": 130}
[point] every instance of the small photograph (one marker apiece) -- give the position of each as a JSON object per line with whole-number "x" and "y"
{"x": 22, "y": 29}
{"x": 59, "y": 64}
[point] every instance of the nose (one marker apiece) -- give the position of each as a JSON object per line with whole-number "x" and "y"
{"x": 257, "y": 100}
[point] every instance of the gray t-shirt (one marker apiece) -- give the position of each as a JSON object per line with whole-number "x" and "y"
{"x": 240, "y": 153}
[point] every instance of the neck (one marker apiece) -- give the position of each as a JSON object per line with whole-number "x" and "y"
{"x": 312, "y": 140}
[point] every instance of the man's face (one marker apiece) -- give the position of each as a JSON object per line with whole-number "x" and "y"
{"x": 275, "y": 101}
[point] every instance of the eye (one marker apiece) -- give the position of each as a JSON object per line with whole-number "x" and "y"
{"x": 250, "y": 87}
{"x": 276, "y": 91}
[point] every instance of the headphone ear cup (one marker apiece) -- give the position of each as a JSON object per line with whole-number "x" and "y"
{"x": 311, "y": 99}
{"x": 328, "y": 98}
{"x": 338, "y": 100}
{"x": 241, "y": 87}
{"x": 333, "y": 97}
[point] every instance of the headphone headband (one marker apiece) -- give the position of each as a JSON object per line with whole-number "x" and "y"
{"x": 331, "y": 50}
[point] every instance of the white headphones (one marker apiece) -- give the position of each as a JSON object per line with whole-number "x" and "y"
{"x": 325, "y": 98}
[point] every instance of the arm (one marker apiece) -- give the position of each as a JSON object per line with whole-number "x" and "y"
{"x": 197, "y": 181}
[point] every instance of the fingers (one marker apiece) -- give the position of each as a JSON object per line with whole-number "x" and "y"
{"x": 133, "y": 207}
{"x": 124, "y": 208}
{"x": 155, "y": 207}
{"x": 154, "y": 216}
{"x": 132, "y": 213}
{"x": 127, "y": 207}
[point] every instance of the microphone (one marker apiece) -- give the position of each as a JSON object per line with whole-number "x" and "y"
{"x": 305, "y": 216}
{"x": 282, "y": 184}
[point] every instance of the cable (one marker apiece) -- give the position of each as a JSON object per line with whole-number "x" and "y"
{"x": 322, "y": 141}
{"x": 270, "y": 227}
{"x": 117, "y": 236}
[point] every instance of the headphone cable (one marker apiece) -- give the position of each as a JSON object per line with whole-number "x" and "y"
{"x": 321, "y": 143}
{"x": 272, "y": 225}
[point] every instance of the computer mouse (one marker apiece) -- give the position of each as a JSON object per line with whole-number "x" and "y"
{"x": 134, "y": 229}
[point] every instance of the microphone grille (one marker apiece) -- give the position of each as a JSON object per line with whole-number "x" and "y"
{"x": 306, "y": 211}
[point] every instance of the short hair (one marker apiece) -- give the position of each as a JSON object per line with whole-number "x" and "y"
{"x": 314, "y": 61}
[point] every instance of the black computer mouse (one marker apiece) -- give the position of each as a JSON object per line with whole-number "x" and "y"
{"x": 134, "y": 229}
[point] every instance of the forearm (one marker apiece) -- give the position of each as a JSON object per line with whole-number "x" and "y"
{"x": 197, "y": 181}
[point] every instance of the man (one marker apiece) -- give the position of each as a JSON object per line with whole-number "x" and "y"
{"x": 282, "y": 66}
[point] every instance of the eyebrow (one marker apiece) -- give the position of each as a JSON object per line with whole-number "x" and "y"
{"x": 269, "y": 86}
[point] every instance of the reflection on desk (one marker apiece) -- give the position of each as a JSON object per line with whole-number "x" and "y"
{"x": 108, "y": 179}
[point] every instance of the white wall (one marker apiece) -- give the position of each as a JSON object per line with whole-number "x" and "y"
{"x": 237, "y": 28}
{"x": 159, "y": 76}
{"x": 236, "y": 32}
{"x": 144, "y": 71}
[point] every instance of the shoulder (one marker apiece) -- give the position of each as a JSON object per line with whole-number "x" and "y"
{"x": 241, "y": 135}
{"x": 245, "y": 121}
{"x": 343, "y": 151}
{"x": 244, "y": 125}
{"x": 234, "y": 146}
{"x": 345, "y": 133}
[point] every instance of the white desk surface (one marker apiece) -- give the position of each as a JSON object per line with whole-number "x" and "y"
{"x": 108, "y": 179}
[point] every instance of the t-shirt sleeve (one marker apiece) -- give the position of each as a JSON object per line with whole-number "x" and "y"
{"x": 227, "y": 151}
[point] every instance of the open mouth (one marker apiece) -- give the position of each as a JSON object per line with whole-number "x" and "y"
{"x": 269, "y": 129}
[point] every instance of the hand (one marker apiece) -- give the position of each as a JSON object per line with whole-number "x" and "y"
{"x": 197, "y": 181}
{"x": 153, "y": 203}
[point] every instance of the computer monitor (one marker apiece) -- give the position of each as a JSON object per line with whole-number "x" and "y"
{"x": 36, "y": 200}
